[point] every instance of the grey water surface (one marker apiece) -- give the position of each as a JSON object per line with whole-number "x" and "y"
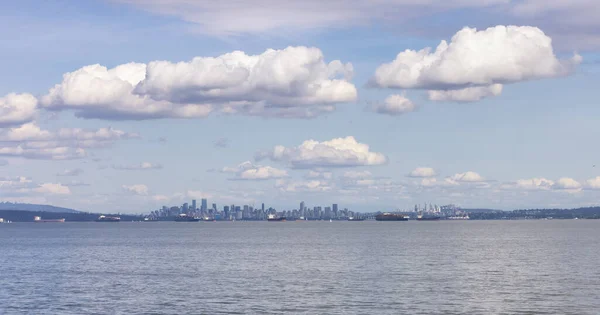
{"x": 445, "y": 267}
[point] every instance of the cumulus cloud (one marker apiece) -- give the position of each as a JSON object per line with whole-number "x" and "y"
{"x": 17, "y": 109}
{"x": 501, "y": 54}
{"x": 433, "y": 182}
{"x": 249, "y": 171}
{"x": 395, "y": 105}
{"x": 30, "y": 141}
{"x": 292, "y": 82}
{"x": 338, "y": 152}
{"x": 53, "y": 189}
{"x": 534, "y": 184}
{"x": 138, "y": 189}
{"x": 567, "y": 183}
{"x": 467, "y": 177}
{"x": 136, "y": 167}
{"x": 593, "y": 183}
{"x": 470, "y": 94}
{"x": 71, "y": 172}
{"x": 422, "y": 172}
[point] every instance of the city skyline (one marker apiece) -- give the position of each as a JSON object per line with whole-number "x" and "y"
{"x": 126, "y": 105}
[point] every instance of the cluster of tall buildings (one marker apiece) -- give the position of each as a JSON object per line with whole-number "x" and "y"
{"x": 249, "y": 212}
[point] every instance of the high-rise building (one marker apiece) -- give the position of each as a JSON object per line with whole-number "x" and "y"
{"x": 214, "y": 207}
{"x": 301, "y": 205}
{"x": 335, "y": 210}
{"x": 185, "y": 208}
{"x": 204, "y": 204}
{"x": 263, "y": 207}
{"x": 194, "y": 205}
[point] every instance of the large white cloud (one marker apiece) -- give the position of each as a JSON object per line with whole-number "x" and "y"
{"x": 501, "y": 54}
{"x": 470, "y": 94}
{"x": 394, "y": 105}
{"x": 249, "y": 171}
{"x": 304, "y": 186}
{"x": 593, "y": 183}
{"x": 338, "y": 152}
{"x": 17, "y": 109}
{"x": 567, "y": 183}
{"x": 292, "y": 82}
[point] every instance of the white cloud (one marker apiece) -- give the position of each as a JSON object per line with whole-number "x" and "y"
{"x": 71, "y": 172}
{"x": 249, "y": 171}
{"x": 141, "y": 166}
{"x": 423, "y": 172}
{"x": 534, "y": 184}
{"x": 138, "y": 189}
{"x": 30, "y": 141}
{"x": 292, "y": 82}
{"x": 338, "y": 152}
{"x": 566, "y": 183}
{"x": 467, "y": 177}
{"x": 53, "y": 189}
{"x": 17, "y": 109}
{"x": 395, "y": 105}
{"x": 593, "y": 183}
{"x": 470, "y": 94}
{"x": 501, "y": 54}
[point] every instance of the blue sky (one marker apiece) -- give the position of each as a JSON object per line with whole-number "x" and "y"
{"x": 532, "y": 145}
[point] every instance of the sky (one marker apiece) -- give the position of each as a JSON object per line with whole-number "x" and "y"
{"x": 129, "y": 105}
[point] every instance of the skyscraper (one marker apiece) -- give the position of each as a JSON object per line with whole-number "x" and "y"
{"x": 263, "y": 207}
{"x": 194, "y": 205}
{"x": 301, "y": 205}
{"x": 204, "y": 204}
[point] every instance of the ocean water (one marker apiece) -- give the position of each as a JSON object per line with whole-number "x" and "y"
{"x": 445, "y": 267}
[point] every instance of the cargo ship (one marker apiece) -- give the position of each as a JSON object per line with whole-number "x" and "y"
{"x": 104, "y": 218}
{"x": 40, "y": 220}
{"x": 421, "y": 217}
{"x": 186, "y": 218}
{"x": 390, "y": 217}
{"x": 274, "y": 218}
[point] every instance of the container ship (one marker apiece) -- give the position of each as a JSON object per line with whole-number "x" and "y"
{"x": 40, "y": 220}
{"x": 390, "y": 217}
{"x": 186, "y": 218}
{"x": 104, "y": 218}
{"x": 274, "y": 218}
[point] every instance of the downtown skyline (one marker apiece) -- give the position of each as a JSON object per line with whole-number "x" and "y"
{"x": 125, "y": 105}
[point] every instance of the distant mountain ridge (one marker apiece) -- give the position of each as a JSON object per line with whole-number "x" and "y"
{"x": 34, "y": 207}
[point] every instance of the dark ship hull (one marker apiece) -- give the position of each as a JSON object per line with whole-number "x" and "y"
{"x": 276, "y": 219}
{"x": 390, "y": 217}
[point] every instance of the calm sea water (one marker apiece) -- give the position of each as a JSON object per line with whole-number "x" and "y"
{"x": 472, "y": 267}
